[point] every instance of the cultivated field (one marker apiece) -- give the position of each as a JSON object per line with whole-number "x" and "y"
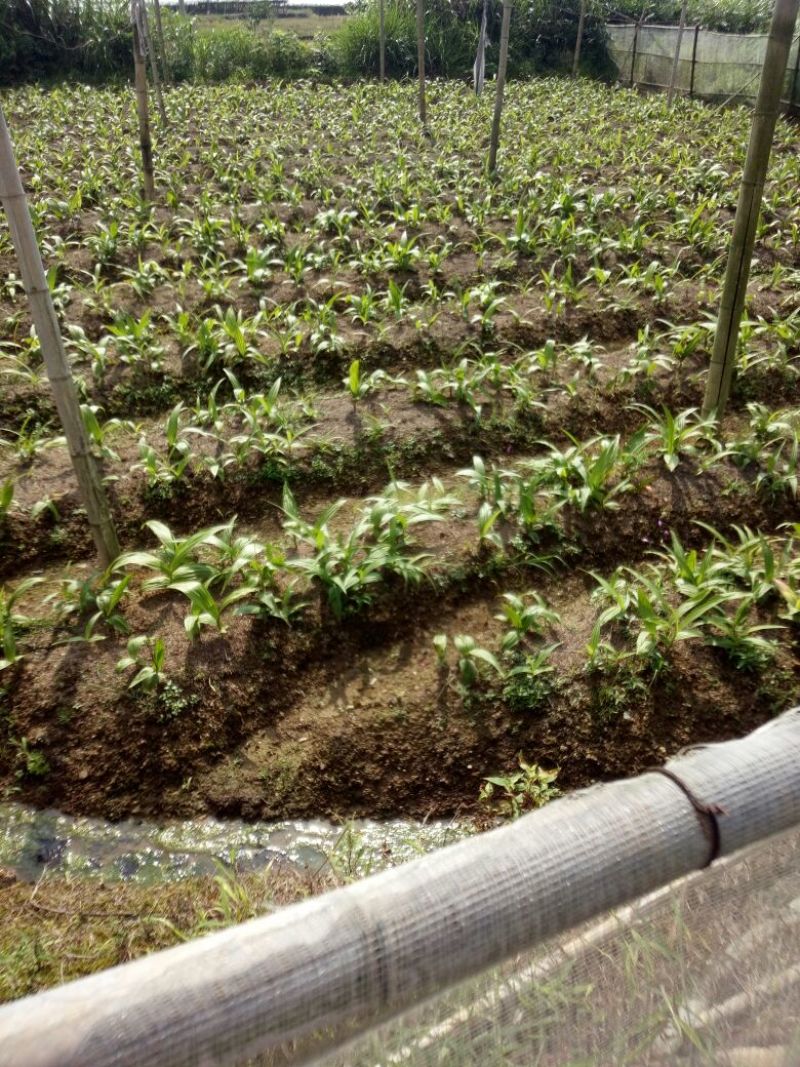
{"x": 407, "y": 464}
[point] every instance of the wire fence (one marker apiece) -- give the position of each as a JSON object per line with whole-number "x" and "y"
{"x": 711, "y": 66}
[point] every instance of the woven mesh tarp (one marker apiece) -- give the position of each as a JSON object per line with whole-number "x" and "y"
{"x": 706, "y": 971}
{"x": 713, "y": 66}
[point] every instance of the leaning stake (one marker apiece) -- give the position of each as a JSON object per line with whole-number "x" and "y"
{"x": 423, "y": 116}
{"x": 142, "y": 109}
{"x": 43, "y": 313}
{"x": 723, "y": 359}
{"x": 502, "y": 66}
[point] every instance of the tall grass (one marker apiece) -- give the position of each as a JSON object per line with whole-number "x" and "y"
{"x": 543, "y": 37}
{"x": 732, "y": 16}
{"x": 235, "y": 53}
{"x": 90, "y": 38}
{"x": 449, "y": 43}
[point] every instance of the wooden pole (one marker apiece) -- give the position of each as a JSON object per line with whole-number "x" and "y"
{"x": 142, "y": 109}
{"x": 674, "y": 75}
{"x": 694, "y": 59}
{"x": 793, "y": 101}
{"x": 633, "y": 51}
{"x": 181, "y": 7}
{"x": 723, "y": 358}
{"x": 479, "y": 66}
{"x": 502, "y": 67}
{"x": 579, "y": 39}
{"x": 423, "y": 115}
{"x": 146, "y": 47}
{"x": 382, "y": 37}
{"x": 161, "y": 46}
{"x": 93, "y": 496}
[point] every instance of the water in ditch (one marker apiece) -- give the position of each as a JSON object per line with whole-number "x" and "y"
{"x": 33, "y": 842}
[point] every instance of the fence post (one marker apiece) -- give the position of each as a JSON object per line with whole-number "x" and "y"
{"x": 633, "y": 51}
{"x": 423, "y": 116}
{"x": 694, "y": 59}
{"x": 770, "y": 91}
{"x": 579, "y": 39}
{"x": 59, "y": 374}
{"x": 674, "y": 76}
{"x": 502, "y": 66}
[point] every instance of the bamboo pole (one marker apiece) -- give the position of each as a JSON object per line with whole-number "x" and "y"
{"x": 161, "y": 46}
{"x": 579, "y": 39}
{"x": 382, "y": 38}
{"x": 139, "y": 17}
{"x": 142, "y": 109}
{"x": 674, "y": 75}
{"x": 723, "y": 358}
{"x": 423, "y": 115}
{"x": 502, "y": 66}
{"x": 65, "y": 395}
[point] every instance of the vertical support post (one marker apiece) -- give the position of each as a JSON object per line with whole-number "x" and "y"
{"x": 146, "y": 44}
{"x": 142, "y": 109}
{"x": 43, "y": 313}
{"x": 423, "y": 115}
{"x": 181, "y": 7}
{"x": 382, "y": 38}
{"x": 673, "y": 80}
{"x": 479, "y": 66}
{"x": 723, "y": 358}
{"x": 161, "y": 46}
{"x": 694, "y": 59}
{"x": 502, "y": 66}
{"x": 579, "y": 39}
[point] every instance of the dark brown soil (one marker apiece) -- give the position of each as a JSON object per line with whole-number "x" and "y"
{"x": 357, "y": 716}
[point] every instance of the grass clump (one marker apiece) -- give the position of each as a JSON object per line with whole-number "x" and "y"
{"x": 62, "y": 929}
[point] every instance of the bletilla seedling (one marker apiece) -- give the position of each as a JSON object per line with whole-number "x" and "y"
{"x": 526, "y": 614}
{"x": 471, "y": 659}
{"x": 12, "y": 621}
{"x": 149, "y": 655}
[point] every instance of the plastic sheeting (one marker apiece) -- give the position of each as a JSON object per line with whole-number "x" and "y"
{"x": 307, "y": 979}
{"x": 705, "y": 971}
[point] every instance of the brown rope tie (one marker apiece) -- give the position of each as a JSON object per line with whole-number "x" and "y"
{"x": 707, "y": 813}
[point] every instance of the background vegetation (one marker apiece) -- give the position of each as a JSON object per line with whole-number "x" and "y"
{"x": 732, "y": 16}
{"x": 91, "y": 39}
